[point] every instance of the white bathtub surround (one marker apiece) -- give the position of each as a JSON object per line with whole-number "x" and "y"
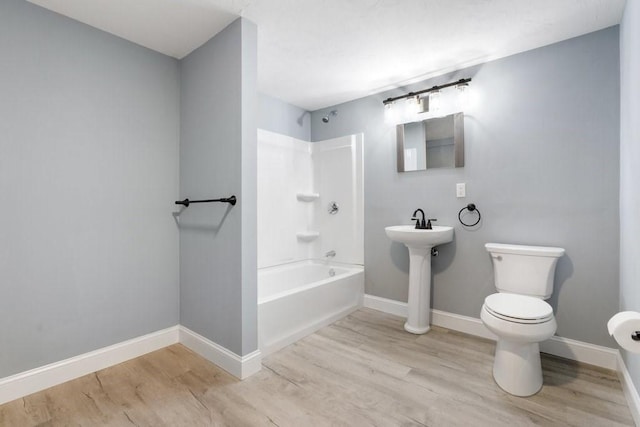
{"x": 284, "y": 170}
{"x": 297, "y": 180}
{"x": 310, "y": 204}
{"x": 297, "y": 299}
{"x": 338, "y": 177}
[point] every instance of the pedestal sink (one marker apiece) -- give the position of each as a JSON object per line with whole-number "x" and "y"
{"x": 419, "y": 242}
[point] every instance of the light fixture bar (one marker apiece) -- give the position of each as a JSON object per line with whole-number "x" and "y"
{"x": 420, "y": 92}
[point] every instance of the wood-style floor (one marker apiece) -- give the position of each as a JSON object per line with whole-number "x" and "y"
{"x": 364, "y": 370}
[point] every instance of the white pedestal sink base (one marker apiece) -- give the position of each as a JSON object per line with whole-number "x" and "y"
{"x": 419, "y": 242}
{"x": 419, "y": 301}
{"x": 420, "y": 331}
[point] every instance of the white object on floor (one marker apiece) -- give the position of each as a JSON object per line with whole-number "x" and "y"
{"x": 297, "y": 299}
{"x": 518, "y": 316}
{"x": 419, "y": 242}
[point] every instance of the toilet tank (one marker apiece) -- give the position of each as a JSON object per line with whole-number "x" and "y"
{"x": 525, "y": 270}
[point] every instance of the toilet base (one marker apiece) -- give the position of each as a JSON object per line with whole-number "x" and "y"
{"x": 516, "y": 367}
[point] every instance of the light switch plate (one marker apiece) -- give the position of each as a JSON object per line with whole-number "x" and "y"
{"x": 461, "y": 189}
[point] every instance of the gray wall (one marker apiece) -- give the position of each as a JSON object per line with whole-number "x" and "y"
{"x": 278, "y": 116}
{"x": 249, "y": 191}
{"x": 629, "y": 171}
{"x": 541, "y": 163}
{"x": 218, "y": 290}
{"x": 89, "y": 134}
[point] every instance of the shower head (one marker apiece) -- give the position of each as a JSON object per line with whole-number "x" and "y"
{"x": 325, "y": 119}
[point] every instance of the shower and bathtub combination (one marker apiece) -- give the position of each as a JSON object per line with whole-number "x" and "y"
{"x": 310, "y": 235}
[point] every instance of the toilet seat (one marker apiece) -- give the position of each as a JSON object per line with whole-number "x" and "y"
{"x": 518, "y": 308}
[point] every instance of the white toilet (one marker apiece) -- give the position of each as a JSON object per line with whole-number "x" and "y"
{"x": 518, "y": 314}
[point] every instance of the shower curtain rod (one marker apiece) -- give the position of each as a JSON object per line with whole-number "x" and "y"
{"x": 186, "y": 202}
{"x": 420, "y": 92}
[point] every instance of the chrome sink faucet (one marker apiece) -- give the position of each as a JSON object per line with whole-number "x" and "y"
{"x": 330, "y": 254}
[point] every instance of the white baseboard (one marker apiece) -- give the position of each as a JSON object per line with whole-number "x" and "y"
{"x": 34, "y": 380}
{"x": 386, "y": 305}
{"x": 604, "y": 357}
{"x": 460, "y": 323}
{"x": 238, "y": 366}
{"x": 630, "y": 392}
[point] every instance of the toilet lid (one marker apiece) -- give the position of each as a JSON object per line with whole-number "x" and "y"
{"x": 518, "y": 308}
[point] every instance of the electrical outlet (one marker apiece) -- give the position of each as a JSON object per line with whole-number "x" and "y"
{"x": 461, "y": 189}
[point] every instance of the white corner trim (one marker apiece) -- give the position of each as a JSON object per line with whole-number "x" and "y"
{"x": 630, "y": 392}
{"x": 238, "y": 366}
{"x": 34, "y": 380}
{"x": 592, "y": 354}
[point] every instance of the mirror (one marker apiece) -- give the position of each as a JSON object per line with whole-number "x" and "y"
{"x": 431, "y": 143}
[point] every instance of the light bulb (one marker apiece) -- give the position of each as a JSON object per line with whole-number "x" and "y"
{"x": 435, "y": 101}
{"x": 463, "y": 95}
{"x": 423, "y": 105}
{"x": 390, "y": 114}
{"x": 413, "y": 105}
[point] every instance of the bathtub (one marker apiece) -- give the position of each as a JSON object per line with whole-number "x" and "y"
{"x": 297, "y": 299}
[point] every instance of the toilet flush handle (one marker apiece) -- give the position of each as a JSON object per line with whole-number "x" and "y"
{"x": 498, "y": 257}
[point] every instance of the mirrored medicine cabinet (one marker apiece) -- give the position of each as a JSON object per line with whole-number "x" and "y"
{"x": 432, "y": 143}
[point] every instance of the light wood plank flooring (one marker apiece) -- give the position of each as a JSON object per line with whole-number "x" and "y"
{"x": 364, "y": 370}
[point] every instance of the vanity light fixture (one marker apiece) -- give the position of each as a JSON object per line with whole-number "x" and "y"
{"x": 432, "y": 89}
{"x": 407, "y": 109}
{"x": 411, "y": 106}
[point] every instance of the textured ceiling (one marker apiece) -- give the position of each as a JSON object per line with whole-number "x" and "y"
{"x": 317, "y": 53}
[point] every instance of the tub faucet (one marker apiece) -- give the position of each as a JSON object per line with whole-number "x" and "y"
{"x": 420, "y": 225}
{"x": 330, "y": 254}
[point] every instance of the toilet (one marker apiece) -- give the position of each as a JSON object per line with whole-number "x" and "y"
{"x": 518, "y": 314}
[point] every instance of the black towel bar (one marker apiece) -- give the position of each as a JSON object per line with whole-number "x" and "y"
{"x": 186, "y": 202}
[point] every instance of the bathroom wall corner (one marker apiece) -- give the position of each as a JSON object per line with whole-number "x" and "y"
{"x": 89, "y": 138}
{"x": 629, "y": 172}
{"x": 275, "y": 115}
{"x": 541, "y": 139}
{"x": 217, "y": 159}
{"x": 629, "y": 388}
{"x": 249, "y": 192}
